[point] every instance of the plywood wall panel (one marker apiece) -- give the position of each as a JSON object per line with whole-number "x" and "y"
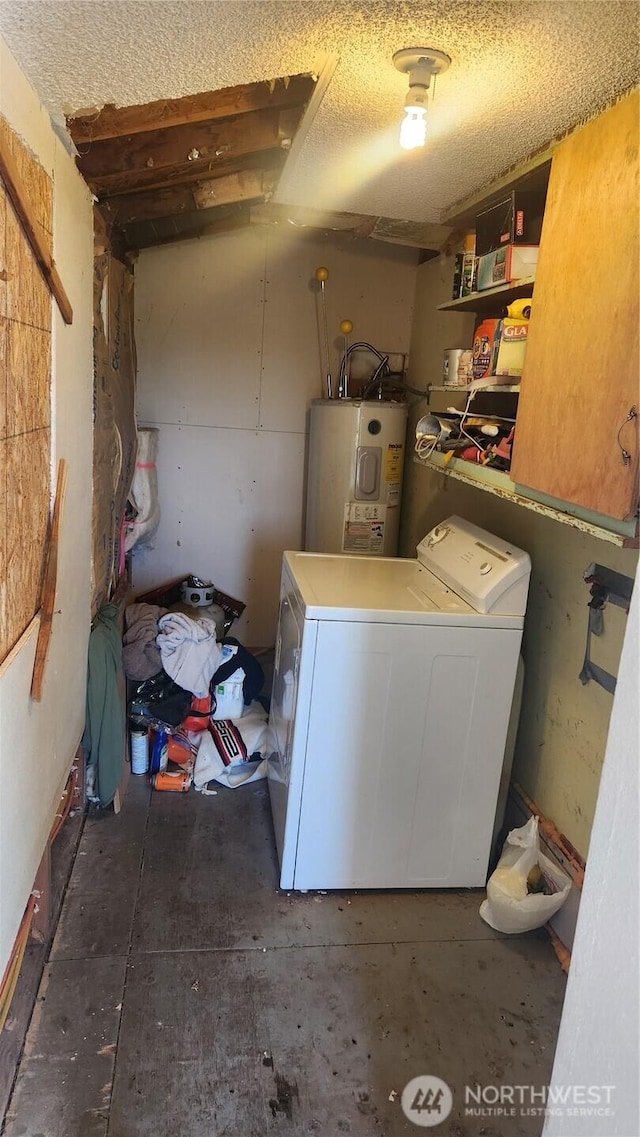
{"x": 28, "y": 299}
{"x": 28, "y": 377}
{"x": 3, "y": 254}
{"x": 3, "y": 382}
{"x": 25, "y": 416}
{"x": 37, "y": 183}
{"x": 4, "y": 631}
{"x": 27, "y": 475}
{"x": 581, "y": 369}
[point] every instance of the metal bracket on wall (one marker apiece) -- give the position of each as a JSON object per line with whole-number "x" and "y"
{"x": 607, "y": 586}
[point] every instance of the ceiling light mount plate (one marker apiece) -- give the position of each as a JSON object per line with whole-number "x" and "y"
{"x": 411, "y": 59}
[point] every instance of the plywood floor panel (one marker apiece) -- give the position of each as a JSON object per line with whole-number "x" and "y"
{"x": 340, "y": 1027}
{"x": 66, "y": 1073}
{"x": 276, "y": 1026}
{"x": 176, "y": 910}
{"x": 101, "y": 896}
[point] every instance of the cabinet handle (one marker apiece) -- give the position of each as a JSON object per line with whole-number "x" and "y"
{"x": 626, "y": 457}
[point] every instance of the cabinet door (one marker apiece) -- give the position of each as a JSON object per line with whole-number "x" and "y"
{"x": 581, "y": 369}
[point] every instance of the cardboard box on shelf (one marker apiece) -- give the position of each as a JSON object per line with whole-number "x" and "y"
{"x": 514, "y": 220}
{"x": 512, "y": 344}
{"x": 512, "y": 262}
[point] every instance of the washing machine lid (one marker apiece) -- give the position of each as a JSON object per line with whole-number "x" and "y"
{"x": 380, "y": 590}
{"x": 490, "y": 574}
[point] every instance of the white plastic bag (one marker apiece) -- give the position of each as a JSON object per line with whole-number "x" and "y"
{"x": 235, "y": 770}
{"x": 509, "y": 906}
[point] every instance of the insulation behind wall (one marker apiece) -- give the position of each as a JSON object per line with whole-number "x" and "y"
{"x": 114, "y": 439}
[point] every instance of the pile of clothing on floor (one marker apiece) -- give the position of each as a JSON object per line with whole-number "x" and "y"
{"x": 198, "y": 697}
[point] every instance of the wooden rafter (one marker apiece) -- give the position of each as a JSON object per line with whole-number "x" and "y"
{"x": 179, "y": 155}
{"x": 246, "y": 185}
{"x": 157, "y": 169}
{"x": 270, "y": 159}
{"x": 114, "y": 122}
{"x": 154, "y": 150}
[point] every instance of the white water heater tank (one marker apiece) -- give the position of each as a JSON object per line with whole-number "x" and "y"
{"x": 354, "y": 487}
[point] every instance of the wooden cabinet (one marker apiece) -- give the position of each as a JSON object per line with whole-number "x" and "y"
{"x": 580, "y": 378}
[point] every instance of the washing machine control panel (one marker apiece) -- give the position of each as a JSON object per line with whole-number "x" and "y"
{"x": 437, "y": 535}
{"x": 487, "y": 572}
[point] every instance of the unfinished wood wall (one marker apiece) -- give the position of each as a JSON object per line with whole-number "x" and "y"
{"x": 114, "y": 426}
{"x": 25, "y": 400}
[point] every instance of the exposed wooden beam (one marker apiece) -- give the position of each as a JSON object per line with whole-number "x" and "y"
{"x": 131, "y": 209}
{"x": 179, "y": 145}
{"x": 17, "y": 192}
{"x": 242, "y": 185}
{"x": 115, "y": 122}
{"x": 195, "y": 172}
{"x": 181, "y": 154}
{"x": 248, "y": 185}
{"x": 287, "y": 125}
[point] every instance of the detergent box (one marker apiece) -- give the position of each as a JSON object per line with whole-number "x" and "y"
{"x": 511, "y": 262}
{"x": 511, "y": 344}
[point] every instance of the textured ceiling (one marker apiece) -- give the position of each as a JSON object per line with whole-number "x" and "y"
{"x": 520, "y": 74}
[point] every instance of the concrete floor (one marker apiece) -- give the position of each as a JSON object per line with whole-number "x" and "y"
{"x": 186, "y": 997}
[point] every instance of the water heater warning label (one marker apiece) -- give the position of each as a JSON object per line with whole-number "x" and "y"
{"x": 393, "y": 462}
{"x": 363, "y": 527}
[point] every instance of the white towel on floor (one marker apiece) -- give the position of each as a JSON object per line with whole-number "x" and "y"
{"x": 189, "y": 651}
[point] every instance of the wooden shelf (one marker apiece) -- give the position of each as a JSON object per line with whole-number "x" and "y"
{"x": 494, "y": 388}
{"x": 478, "y": 301}
{"x": 499, "y": 483}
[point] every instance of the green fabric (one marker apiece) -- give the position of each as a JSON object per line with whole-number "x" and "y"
{"x": 105, "y": 725}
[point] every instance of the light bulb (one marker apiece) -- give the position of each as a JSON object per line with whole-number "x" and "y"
{"x": 413, "y": 131}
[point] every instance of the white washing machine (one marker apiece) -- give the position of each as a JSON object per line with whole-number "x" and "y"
{"x": 391, "y": 699}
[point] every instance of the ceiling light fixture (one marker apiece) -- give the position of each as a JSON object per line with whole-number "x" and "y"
{"x": 419, "y": 63}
